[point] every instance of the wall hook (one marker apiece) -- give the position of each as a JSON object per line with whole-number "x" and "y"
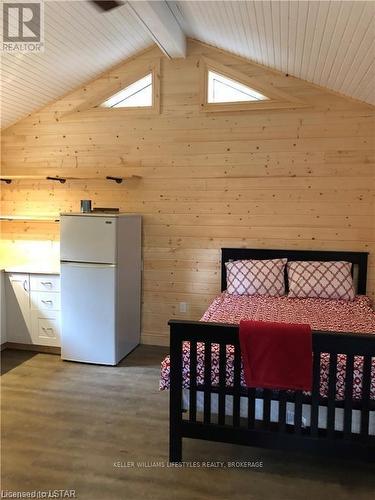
{"x": 118, "y": 180}
{"x": 60, "y": 179}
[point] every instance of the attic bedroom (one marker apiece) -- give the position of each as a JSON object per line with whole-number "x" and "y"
{"x": 187, "y": 249}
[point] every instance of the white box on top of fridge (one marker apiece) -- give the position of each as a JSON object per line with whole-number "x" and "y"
{"x": 100, "y": 286}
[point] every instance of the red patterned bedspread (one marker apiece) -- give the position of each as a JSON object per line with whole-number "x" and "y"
{"x": 333, "y": 315}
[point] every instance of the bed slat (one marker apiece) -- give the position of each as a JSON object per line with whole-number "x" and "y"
{"x": 366, "y": 386}
{"x": 193, "y": 383}
{"x": 282, "y": 411}
{"x": 222, "y": 383}
{"x": 207, "y": 383}
{"x": 315, "y": 395}
{"x": 298, "y": 412}
{"x": 266, "y": 408}
{"x": 348, "y": 403}
{"x": 331, "y": 395}
{"x": 237, "y": 386}
{"x": 250, "y": 408}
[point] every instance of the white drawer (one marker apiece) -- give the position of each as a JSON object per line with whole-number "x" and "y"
{"x": 46, "y": 329}
{"x": 44, "y": 282}
{"x": 45, "y": 301}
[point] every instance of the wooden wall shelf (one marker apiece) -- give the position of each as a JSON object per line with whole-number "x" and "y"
{"x": 30, "y": 218}
{"x": 62, "y": 179}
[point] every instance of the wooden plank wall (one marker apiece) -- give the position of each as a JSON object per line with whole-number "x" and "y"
{"x": 299, "y": 178}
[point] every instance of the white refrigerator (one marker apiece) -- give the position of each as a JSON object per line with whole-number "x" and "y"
{"x": 100, "y": 286}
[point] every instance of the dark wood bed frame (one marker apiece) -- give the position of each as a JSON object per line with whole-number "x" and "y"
{"x": 265, "y": 433}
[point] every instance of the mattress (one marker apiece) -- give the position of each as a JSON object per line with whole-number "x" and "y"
{"x": 321, "y": 314}
{"x": 355, "y": 316}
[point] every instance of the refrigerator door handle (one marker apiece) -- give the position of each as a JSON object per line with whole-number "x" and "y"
{"x": 85, "y": 264}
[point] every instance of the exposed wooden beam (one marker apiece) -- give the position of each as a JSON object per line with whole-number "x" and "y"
{"x": 160, "y": 22}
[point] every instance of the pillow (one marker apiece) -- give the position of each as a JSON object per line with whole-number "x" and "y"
{"x": 256, "y": 277}
{"x": 323, "y": 280}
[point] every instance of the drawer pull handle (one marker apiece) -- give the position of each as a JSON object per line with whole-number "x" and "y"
{"x": 47, "y": 283}
{"x": 25, "y": 286}
{"x": 47, "y": 301}
{"x": 46, "y": 329}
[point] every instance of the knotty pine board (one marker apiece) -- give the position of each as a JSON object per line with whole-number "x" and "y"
{"x": 294, "y": 178}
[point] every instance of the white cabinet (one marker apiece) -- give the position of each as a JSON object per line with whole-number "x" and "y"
{"x": 33, "y": 309}
{"x": 18, "y": 308}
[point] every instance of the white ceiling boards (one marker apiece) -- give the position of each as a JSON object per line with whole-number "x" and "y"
{"x": 327, "y": 43}
{"x": 80, "y": 44}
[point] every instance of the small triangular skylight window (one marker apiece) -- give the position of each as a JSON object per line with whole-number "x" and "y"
{"x": 136, "y": 95}
{"x": 224, "y": 89}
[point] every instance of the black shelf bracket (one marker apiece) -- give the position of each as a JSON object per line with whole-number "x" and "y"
{"x": 7, "y": 181}
{"x": 118, "y": 180}
{"x": 60, "y": 179}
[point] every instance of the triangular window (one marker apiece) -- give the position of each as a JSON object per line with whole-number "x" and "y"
{"x": 135, "y": 95}
{"x": 223, "y": 89}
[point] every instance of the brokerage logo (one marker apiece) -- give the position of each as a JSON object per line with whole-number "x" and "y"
{"x": 23, "y": 27}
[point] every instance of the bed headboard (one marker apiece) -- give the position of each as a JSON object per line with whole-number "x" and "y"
{"x": 358, "y": 259}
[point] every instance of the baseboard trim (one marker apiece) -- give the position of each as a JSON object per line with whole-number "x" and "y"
{"x": 47, "y": 349}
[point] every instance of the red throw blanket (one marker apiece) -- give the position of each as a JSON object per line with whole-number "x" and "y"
{"x": 276, "y": 355}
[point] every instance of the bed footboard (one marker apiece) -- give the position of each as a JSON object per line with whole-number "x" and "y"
{"x": 214, "y": 424}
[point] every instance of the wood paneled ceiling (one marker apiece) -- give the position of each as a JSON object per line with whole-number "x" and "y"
{"x": 327, "y": 43}
{"x": 80, "y": 43}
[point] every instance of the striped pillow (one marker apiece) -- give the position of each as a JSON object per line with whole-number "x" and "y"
{"x": 323, "y": 280}
{"x": 256, "y": 277}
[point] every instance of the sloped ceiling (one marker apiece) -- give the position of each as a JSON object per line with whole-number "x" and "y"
{"x": 80, "y": 43}
{"x": 328, "y": 43}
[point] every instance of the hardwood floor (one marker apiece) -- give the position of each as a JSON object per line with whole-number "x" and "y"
{"x": 65, "y": 425}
